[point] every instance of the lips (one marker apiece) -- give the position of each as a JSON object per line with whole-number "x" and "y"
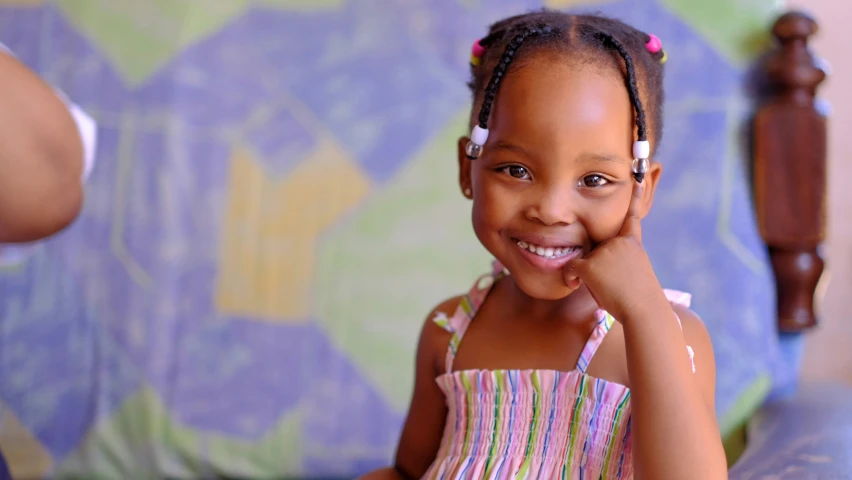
{"x": 547, "y": 251}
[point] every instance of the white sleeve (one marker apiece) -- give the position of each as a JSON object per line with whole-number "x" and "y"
{"x": 11, "y": 254}
{"x": 88, "y": 133}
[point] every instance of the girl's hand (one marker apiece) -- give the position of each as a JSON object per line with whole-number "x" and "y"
{"x": 618, "y": 272}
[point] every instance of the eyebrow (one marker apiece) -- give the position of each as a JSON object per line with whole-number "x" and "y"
{"x": 597, "y": 157}
{"x": 503, "y": 145}
{"x": 584, "y": 157}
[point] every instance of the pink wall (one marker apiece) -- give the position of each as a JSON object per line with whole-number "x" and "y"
{"x": 827, "y": 351}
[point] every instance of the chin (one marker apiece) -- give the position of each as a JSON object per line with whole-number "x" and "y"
{"x": 541, "y": 286}
{"x": 537, "y": 277}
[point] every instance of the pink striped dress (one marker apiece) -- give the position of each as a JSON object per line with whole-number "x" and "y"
{"x": 532, "y": 424}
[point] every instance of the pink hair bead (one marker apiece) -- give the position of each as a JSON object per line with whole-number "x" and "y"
{"x": 478, "y": 50}
{"x": 654, "y": 45}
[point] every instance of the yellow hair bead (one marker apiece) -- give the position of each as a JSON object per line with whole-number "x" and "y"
{"x": 665, "y": 57}
{"x": 474, "y": 60}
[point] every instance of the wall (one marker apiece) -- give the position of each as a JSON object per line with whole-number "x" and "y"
{"x": 827, "y": 355}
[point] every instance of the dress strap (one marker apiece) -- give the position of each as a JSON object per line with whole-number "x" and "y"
{"x": 678, "y": 298}
{"x": 457, "y": 324}
{"x": 605, "y": 321}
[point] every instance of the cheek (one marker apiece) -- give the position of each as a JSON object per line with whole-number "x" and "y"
{"x": 493, "y": 208}
{"x": 489, "y": 210}
{"x": 487, "y": 224}
{"x": 604, "y": 221}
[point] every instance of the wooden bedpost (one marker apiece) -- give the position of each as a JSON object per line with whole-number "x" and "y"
{"x": 790, "y": 169}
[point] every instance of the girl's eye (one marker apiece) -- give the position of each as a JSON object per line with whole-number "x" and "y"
{"x": 593, "y": 181}
{"x": 516, "y": 171}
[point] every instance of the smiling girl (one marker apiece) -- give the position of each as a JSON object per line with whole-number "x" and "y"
{"x": 568, "y": 360}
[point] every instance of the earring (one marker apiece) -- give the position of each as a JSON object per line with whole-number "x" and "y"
{"x": 467, "y": 192}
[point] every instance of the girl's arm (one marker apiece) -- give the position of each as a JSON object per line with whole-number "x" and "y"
{"x": 424, "y": 426}
{"x": 674, "y": 428}
{"x": 41, "y": 157}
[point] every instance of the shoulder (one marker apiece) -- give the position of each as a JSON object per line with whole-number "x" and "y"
{"x": 446, "y": 308}
{"x": 439, "y": 324}
{"x": 701, "y": 350}
{"x": 437, "y": 331}
{"x": 694, "y": 330}
{"x": 86, "y": 125}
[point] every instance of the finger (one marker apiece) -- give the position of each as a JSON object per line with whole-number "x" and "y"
{"x": 595, "y": 298}
{"x": 572, "y": 272}
{"x": 631, "y": 226}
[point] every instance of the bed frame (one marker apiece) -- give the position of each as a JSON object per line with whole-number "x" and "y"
{"x": 789, "y": 169}
{"x": 807, "y": 434}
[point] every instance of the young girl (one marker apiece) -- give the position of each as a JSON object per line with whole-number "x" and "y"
{"x": 568, "y": 360}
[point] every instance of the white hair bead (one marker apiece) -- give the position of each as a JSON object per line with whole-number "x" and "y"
{"x": 479, "y": 135}
{"x": 641, "y": 149}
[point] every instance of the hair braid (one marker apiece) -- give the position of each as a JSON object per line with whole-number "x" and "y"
{"x": 501, "y": 68}
{"x": 593, "y": 38}
{"x": 632, "y": 87}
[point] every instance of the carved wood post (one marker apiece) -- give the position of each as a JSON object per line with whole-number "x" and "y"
{"x": 790, "y": 170}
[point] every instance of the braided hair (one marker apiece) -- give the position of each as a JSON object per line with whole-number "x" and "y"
{"x": 594, "y": 38}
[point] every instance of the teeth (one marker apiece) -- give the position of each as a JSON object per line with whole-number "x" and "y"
{"x": 549, "y": 252}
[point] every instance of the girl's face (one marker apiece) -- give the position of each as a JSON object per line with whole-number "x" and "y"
{"x": 554, "y": 179}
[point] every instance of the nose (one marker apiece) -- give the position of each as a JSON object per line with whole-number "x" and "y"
{"x": 556, "y": 205}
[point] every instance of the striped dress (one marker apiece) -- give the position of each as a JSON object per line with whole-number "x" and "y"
{"x": 532, "y": 424}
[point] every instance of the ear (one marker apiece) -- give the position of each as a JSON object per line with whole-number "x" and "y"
{"x": 465, "y": 182}
{"x": 652, "y": 178}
